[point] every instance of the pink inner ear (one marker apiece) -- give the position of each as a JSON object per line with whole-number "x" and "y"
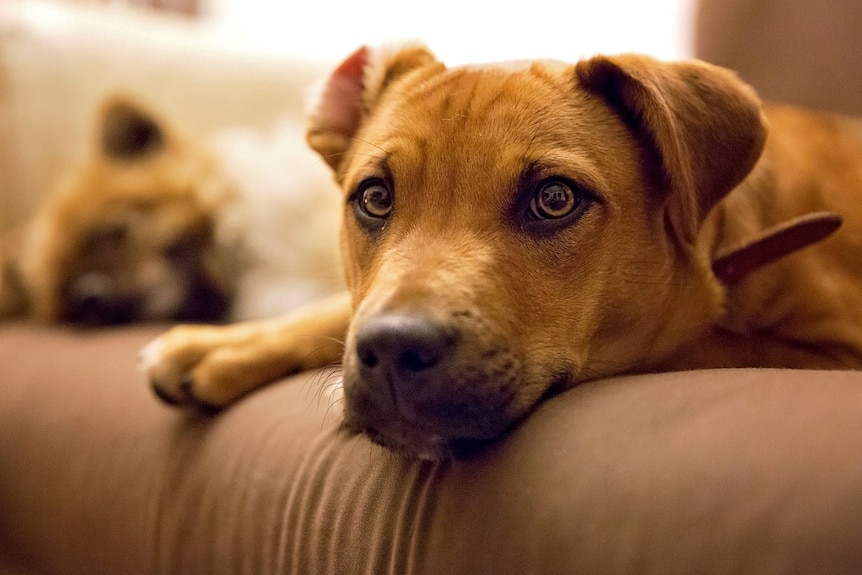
{"x": 354, "y": 64}
{"x": 340, "y": 106}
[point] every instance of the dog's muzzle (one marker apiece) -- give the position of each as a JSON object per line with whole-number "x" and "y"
{"x": 426, "y": 387}
{"x": 95, "y": 299}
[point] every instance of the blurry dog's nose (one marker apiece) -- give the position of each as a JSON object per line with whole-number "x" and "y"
{"x": 407, "y": 347}
{"x": 93, "y": 301}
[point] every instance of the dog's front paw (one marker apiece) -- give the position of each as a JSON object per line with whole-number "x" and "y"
{"x": 209, "y": 367}
{"x": 202, "y": 367}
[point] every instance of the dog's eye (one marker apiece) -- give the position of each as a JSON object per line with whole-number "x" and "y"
{"x": 375, "y": 199}
{"x": 553, "y": 200}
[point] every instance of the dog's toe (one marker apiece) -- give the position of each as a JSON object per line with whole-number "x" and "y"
{"x": 164, "y": 395}
{"x": 169, "y": 378}
{"x": 149, "y": 358}
{"x": 192, "y": 400}
{"x": 185, "y": 397}
{"x": 199, "y": 381}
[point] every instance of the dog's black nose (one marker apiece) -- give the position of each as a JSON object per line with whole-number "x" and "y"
{"x": 101, "y": 310}
{"x": 91, "y": 301}
{"x": 404, "y": 346}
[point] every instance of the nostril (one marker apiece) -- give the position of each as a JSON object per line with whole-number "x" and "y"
{"x": 366, "y": 355}
{"x": 418, "y": 359}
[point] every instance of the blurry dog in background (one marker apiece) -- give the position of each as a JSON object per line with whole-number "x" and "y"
{"x": 155, "y": 226}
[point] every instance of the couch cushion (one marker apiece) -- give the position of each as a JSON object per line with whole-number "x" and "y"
{"x": 710, "y": 472}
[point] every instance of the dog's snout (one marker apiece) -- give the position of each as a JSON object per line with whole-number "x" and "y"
{"x": 93, "y": 301}
{"x": 405, "y": 346}
{"x": 418, "y": 381}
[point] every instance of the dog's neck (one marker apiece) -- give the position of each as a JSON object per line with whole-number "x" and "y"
{"x": 733, "y": 264}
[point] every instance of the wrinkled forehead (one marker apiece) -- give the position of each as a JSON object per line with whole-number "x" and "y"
{"x": 514, "y": 92}
{"x": 476, "y": 118}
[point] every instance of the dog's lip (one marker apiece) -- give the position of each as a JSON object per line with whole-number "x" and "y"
{"x": 429, "y": 446}
{"x": 121, "y": 313}
{"x": 439, "y": 417}
{"x": 421, "y": 441}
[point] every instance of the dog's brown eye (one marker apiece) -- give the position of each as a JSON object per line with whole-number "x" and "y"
{"x": 375, "y": 200}
{"x": 553, "y": 200}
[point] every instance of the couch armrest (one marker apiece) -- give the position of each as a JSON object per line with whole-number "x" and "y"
{"x": 711, "y": 472}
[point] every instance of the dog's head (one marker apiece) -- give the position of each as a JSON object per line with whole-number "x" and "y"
{"x": 514, "y": 229}
{"x": 130, "y": 235}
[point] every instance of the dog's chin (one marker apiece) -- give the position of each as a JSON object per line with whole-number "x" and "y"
{"x": 116, "y": 312}
{"x": 436, "y": 435}
{"x": 417, "y": 443}
{"x": 425, "y": 446}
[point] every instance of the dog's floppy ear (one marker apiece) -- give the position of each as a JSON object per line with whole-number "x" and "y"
{"x": 126, "y": 131}
{"x": 352, "y": 90}
{"x": 704, "y": 124}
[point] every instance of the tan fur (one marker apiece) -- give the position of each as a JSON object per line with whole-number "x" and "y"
{"x": 668, "y": 160}
{"x": 129, "y": 236}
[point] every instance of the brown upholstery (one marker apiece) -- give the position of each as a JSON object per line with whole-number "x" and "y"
{"x": 707, "y": 472}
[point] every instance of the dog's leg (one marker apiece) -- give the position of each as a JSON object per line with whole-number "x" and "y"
{"x": 211, "y": 366}
{"x": 724, "y": 349}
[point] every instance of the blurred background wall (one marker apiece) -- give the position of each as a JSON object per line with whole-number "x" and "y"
{"x": 459, "y": 31}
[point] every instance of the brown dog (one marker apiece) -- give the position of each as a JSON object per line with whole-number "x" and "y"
{"x": 130, "y": 236}
{"x": 513, "y": 230}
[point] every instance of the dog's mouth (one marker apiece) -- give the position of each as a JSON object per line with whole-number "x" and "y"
{"x": 101, "y": 311}
{"x": 444, "y": 433}
{"x": 420, "y": 444}
{"x": 95, "y": 304}
{"x": 431, "y": 428}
